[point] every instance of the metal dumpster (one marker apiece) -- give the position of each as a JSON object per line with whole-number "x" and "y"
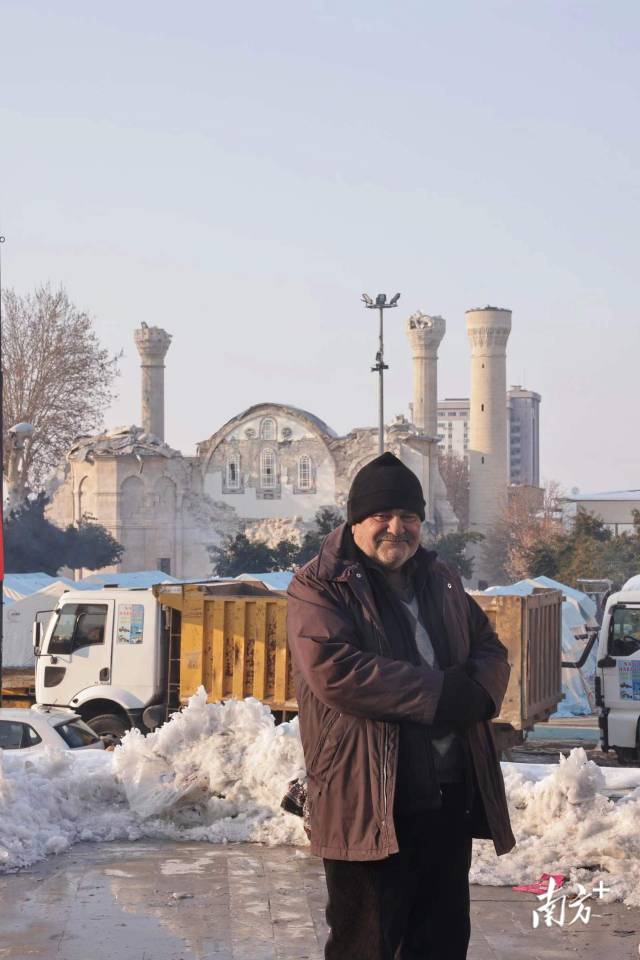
{"x": 231, "y": 638}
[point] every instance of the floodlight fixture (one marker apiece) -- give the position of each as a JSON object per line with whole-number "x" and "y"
{"x": 380, "y": 366}
{"x": 22, "y": 430}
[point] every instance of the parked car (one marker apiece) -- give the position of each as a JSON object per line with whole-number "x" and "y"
{"x": 30, "y": 731}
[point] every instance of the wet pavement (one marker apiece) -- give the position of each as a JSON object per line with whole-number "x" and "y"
{"x": 173, "y": 901}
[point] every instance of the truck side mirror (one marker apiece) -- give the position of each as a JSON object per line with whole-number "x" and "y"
{"x": 37, "y": 637}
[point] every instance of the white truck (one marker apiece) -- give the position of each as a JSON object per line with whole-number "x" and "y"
{"x": 104, "y": 656}
{"x": 120, "y": 658}
{"x": 617, "y": 682}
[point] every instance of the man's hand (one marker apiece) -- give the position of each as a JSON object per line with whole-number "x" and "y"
{"x": 462, "y": 702}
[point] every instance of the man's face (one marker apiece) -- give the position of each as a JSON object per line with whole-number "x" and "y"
{"x": 391, "y": 537}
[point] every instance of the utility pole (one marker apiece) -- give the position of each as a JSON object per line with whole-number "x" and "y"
{"x": 381, "y": 305}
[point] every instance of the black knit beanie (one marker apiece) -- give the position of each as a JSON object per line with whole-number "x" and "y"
{"x": 384, "y": 484}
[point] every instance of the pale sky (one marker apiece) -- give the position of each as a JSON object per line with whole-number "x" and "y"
{"x": 239, "y": 173}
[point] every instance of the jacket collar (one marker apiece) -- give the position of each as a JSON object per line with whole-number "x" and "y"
{"x": 339, "y": 555}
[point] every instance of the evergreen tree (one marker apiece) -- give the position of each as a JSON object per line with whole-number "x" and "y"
{"x": 32, "y": 543}
{"x": 91, "y": 546}
{"x": 285, "y": 555}
{"x": 542, "y": 560}
{"x": 452, "y": 547}
{"x": 326, "y": 520}
{"x": 239, "y": 555}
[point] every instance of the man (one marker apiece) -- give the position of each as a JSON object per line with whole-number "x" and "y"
{"x": 397, "y": 673}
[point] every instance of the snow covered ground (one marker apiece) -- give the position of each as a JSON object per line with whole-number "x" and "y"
{"x": 217, "y": 773}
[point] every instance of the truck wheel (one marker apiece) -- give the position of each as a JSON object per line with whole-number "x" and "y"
{"x": 110, "y": 727}
{"x": 627, "y": 756}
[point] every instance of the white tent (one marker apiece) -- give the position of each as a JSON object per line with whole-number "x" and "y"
{"x": 19, "y": 585}
{"x": 18, "y": 617}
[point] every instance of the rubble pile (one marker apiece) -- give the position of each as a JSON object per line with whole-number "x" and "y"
{"x": 121, "y": 442}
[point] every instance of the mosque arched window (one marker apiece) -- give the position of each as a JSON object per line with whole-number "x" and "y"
{"x": 85, "y": 500}
{"x": 233, "y": 472}
{"x": 165, "y": 498}
{"x": 267, "y": 469}
{"x": 305, "y": 472}
{"x": 268, "y": 429}
{"x": 132, "y": 497}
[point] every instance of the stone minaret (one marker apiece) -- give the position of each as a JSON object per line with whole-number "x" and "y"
{"x": 488, "y": 331}
{"x": 425, "y": 334}
{"x": 152, "y": 344}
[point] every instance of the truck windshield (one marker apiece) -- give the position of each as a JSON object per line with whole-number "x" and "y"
{"x": 624, "y": 631}
{"x": 78, "y": 625}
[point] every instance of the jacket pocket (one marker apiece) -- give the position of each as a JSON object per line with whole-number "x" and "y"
{"x": 322, "y": 739}
{"x": 333, "y": 754}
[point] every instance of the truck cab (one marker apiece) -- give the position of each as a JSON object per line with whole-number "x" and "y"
{"x": 101, "y": 656}
{"x": 618, "y": 676}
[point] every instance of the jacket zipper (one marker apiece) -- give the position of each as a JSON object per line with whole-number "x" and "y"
{"x": 385, "y": 760}
{"x": 468, "y": 781}
{"x": 385, "y": 751}
{"x": 385, "y": 757}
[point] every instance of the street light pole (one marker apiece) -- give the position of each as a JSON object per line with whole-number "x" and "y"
{"x": 381, "y": 305}
{"x": 19, "y": 441}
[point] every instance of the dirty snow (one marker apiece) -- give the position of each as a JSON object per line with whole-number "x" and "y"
{"x": 564, "y": 822}
{"x": 217, "y": 772}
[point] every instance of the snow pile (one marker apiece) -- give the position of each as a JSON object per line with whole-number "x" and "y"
{"x": 217, "y": 772}
{"x": 564, "y": 822}
{"x": 212, "y": 764}
{"x": 55, "y": 800}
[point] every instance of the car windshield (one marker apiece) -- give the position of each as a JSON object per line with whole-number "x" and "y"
{"x": 76, "y": 733}
{"x": 624, "y": 631}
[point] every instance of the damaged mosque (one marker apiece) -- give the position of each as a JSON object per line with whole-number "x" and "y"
{"x": 269, "y": 469}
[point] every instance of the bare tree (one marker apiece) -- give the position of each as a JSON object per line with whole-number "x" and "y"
{"x": 57, "y": 376}
{"x": 454, "y": 471}
{"x": 531, "y": 518}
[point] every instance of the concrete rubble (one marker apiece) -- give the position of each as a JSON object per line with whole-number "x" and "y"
{"x": 121, "y": 442}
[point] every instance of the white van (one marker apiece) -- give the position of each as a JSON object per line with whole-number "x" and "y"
{"x": 618, "y": 676}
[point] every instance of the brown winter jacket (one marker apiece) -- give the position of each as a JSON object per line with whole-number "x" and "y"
{"x": 352, "y": 695}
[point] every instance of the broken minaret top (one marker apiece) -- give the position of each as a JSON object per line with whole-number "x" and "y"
{"x": 152, "y": 344}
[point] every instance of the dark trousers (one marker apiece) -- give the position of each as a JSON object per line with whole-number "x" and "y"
{"x": 414, "y": 905}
